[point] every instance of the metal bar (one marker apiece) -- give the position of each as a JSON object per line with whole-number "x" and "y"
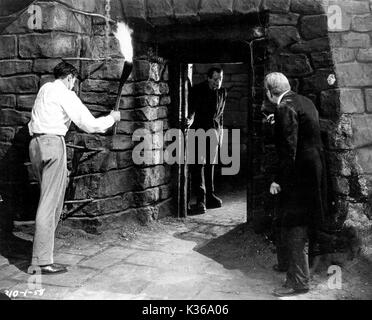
{"x": 73, "y": 146}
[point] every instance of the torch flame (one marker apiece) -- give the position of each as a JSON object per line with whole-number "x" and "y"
{"x": 123, "y": 34}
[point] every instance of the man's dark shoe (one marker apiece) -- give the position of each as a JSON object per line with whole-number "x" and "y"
{"x": 199, "y": 208}
{"x": 54, "y": 268}
{"x": 286, "y": 291}
{"x": 277, "y": 268}
{"x": 213, "y": 201}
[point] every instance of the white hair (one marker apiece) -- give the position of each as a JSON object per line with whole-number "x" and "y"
{"x": 277, "y": 83}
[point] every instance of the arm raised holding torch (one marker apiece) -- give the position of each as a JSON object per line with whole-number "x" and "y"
{"x": 123, "y": 35}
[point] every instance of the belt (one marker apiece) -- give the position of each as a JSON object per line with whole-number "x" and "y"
{"x": 35, "y": 135}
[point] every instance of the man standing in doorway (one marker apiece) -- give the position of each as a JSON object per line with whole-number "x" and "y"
{"x": 56, "y": 105}
{"x": 206, "y": 107}
{"x": 300, "y": 182}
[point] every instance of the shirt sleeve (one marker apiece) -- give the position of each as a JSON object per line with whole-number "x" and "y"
{"x": 81, "y": 116}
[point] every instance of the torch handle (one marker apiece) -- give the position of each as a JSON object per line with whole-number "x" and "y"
{"x": 127, "y": 69}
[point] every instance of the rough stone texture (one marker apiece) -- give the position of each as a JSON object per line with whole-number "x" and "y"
{"x": 10, "y": 67}
{"x": 283, "y": 19}
{"x": 283, "y": 36}
{"x": 45, "y": 65}
{"x": 215, "y": 7}
{"x": 334, "y": 102}
{"x": 356, "y": 40}
{"x": 7, "y": 101}
{"x": 10, "y": 117}
{"x": 19, "y": 84}
{"x": 362, "y": 23}
{"x": 354, "y": 74}
{"x": 341, "y": 55}
{"x": 25, "y": 102}
{"x": 134, "y": 9}
{"x": 276, "y": 6}
{"x": 51, "y": 45}
{"x": 364, "y": 55}
{"x": 8, "y": 48}
{"x": 293, "y": 65}
{"x": 321, "y": 44}
{"x": 368, "y": 95}
{"x": 362, "y": 130}
{"x": 307, "y": 7}
{"x": 160, "y": 11}
{"x": 314, "y": 27}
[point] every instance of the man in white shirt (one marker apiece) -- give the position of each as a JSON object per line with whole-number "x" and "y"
{"x": 56, "y": 105}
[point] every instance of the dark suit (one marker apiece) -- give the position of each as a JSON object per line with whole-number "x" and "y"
{"x": 302, "y": 177}
{"x": 207, "y": 106}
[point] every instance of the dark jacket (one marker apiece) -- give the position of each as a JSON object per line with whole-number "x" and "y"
{"x": 301, "y": 169}
{"x": 208, "y": 106}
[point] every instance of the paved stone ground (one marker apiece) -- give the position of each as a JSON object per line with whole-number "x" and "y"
{"x": 210, "y": 256}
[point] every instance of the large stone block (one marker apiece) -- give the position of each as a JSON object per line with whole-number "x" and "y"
{"x": 151, "y": 177}
{"x": 147, "y": 87}
{"x": 166, "y": 208}
{"x": 283, "y": 19}
{"x": 363, "y": 157}
{"x": 297, "y": 65}
{"x": 318, "y": 81}
{"x": 85, "y": 5}
{"x": 134, "y": 9}
{"x": 110, "y": 69}
{"x": 45, "y": 79}
{"x": 25, "y": 102}
{"x": 341, "y": 55}
{"x": 7, "y": 101}
{"x": 121, "y": 142}
{"x": 19, "y": 84}
{"x": 160, "y": 12}
{"x": 10, "y": 117}
{"x": 308, "y": 7}
{"x": 144, "y": 198}
{"x": 10, "y": 67}
{"x": 98, "y": 98}
{"x": 362, "y": 130}
{"x": 340, "y": 185}
{"x": 96, "y": 47}
{"x": 339, "y": 163}
{"x": 45, "y": 65}
{"x": 90, "y": 85}
{"x": 314, "y": 45}
{"x": 354, "y": 74}
{"x": 124, "y": 159}
{"x": 368, "y": 95}
{"x": 322, "y": 59}
{"x": 334, "y": 102}
{"x": 186, "y": 10}
{"x": 7, "y": 134}
{"x": 356, "y": 40}
{"x": 362, "y": 23}
{"x": 244, "y": 6}
{"x": 8, "y": 48}
{"x": 52, "y": 45}
{"x": 93, "y": 163}
{"x": 283, "y": 36}
{"x": 364, "y": 55}
{"x": 314, "y": 26}
{"x": 215, "y": 7}
{"x": 145, "y": 70}
{"x": 276, "y": 5}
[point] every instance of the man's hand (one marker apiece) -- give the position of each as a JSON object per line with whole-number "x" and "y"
{"x": 116, "y": 115}
{"x": 275, "y": 188}
{"x": 188, "y": 122}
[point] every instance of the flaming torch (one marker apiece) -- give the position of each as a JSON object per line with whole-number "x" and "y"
{"x": 123, "y": 35}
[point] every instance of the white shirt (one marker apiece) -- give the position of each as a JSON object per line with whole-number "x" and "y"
{"x": 56, "y": 106}
{"x": 281, "y": 96}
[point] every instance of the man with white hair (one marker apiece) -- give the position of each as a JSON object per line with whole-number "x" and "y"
{"x": 300, "y": 181}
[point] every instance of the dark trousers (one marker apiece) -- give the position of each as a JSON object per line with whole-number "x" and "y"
{"x": 203, "y": 181}
{"x": 292, "y": 252}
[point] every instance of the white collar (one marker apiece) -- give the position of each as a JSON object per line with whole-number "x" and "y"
{"x": 281, "y": 96}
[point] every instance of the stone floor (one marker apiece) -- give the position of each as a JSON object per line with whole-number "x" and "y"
{"x": 211, "y": 256}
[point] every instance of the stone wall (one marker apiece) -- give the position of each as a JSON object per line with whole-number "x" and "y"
{"x": 119, "y": 188}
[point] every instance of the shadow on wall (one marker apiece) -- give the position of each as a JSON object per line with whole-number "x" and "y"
{"x": 20, "y": 198}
